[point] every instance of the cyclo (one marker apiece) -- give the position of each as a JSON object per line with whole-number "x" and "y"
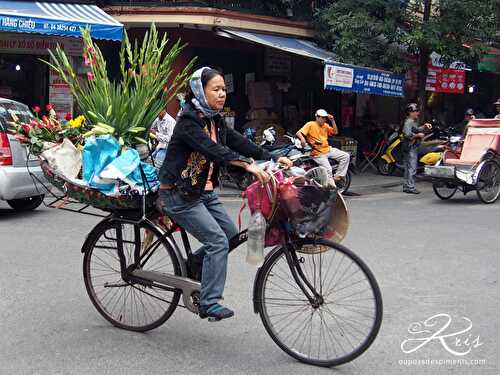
{"x": 476, "y": 168}
{"x": 318, "y": 301}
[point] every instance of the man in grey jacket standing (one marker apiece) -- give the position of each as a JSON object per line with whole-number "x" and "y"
{"x": 412, "y": 137}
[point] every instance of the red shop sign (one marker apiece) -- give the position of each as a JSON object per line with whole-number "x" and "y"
{"x": 451, "y": 81}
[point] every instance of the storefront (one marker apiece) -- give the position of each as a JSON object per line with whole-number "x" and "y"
{"x": 272, "y": 80}
{"x": 28, "y": 30}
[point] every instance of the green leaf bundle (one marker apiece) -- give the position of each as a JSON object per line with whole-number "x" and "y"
{"x": 146, "y": 84}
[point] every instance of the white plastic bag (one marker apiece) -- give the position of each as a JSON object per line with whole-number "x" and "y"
{"x": 64, "y": 158}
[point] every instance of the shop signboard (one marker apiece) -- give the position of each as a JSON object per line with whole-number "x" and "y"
{"x": 450, "y": 81}
{"x": 38, "y": 45}
{"x": 44, "y": 17}
{"x": 277, "y": 63}
{"x": 60, "y": 94}
{"x": 362, "y": 80}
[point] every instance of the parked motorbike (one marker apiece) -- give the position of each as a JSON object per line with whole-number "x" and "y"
{"x": 293, "y": 150}
{"x": 429, "y": 153}
{"x": 238, "y": 177}
{"x": 301, "y": 157}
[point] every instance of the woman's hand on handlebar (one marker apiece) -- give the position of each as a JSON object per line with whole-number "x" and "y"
{"x": 258, "y": 172}
{"x": 284, "y": 161}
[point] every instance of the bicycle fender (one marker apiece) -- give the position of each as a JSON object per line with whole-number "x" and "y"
{"x": 258, "y": 277}
{"x": 96, "y": 227}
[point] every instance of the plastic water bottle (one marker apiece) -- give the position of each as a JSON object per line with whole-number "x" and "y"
{"x": 256, "y": 235}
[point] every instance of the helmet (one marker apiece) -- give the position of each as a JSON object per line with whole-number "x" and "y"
{"x": 269, "y": 135}
{"x": 469, "y": 112}
{"x": 412, "y": 107}
{"x": 497, "y": 102}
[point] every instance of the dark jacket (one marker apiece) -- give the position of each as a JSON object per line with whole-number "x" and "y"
{"x": 191, "y": 150}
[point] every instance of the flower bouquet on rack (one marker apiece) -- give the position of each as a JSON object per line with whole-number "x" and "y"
{"x": 116, "y": 118}
{"x": 44, "y": 131}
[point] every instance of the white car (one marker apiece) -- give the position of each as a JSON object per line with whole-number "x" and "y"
{"x": 16, "y": 183}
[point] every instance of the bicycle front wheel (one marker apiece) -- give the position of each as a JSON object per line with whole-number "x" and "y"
{"x": 128, "y": 305}
{"x": 347, "y": 317}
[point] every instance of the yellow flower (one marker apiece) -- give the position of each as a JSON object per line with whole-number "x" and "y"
{"x": 77, "y": 122}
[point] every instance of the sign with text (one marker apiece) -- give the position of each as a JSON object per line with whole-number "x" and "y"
{"x": 362, "y": 80}
{"x": 450, "y": 81}
{"x": 277, "y": 63}
{"x": 60, "y": 94}
{"x": 38, "y": 45}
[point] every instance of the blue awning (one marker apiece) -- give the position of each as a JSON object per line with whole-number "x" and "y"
{"x": 296, "y": 46}
{"x": 61, "y": 19}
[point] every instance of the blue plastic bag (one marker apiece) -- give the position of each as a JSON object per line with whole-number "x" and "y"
{"x": 97, "y": 153}
{"x": 126, "y": 168}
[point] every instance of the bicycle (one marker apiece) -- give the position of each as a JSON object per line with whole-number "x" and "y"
{"x": 319, "y": 302}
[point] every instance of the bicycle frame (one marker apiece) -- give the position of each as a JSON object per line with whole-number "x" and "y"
{"x": 133, "y": 273}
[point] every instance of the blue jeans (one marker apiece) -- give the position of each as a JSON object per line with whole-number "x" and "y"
{"x": 206, "y": 219}
{"x": 410, "y": 164}
{"x": 159, "y": 156}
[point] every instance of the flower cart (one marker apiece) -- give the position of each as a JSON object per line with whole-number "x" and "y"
{"x": 92, "y": 160}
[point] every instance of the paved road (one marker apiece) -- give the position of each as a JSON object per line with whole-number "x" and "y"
{"x": 429, "y": 257}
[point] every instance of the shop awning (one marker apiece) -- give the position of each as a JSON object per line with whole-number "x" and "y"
{"x": 337, "y": 76}
{"x": 61, "y": 19}
{"x": 490, "y": 61}
{"x": 297, "y": 46}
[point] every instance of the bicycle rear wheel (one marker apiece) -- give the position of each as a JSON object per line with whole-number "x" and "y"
{"x": 128, "y": 305}
{"x": 345, "y": 321}
{"x": 444, "y": 190}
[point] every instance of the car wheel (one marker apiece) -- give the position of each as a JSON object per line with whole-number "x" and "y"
{"x": 26, "y": 204}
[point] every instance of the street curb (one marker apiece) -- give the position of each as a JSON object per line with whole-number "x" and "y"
{"x": 352, "y": 188}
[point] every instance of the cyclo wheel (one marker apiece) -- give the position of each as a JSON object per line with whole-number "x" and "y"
{"x": 444, "y": 190}
{"x": 339, "y": 329}
{"x": 131, "y": 306}
{"x": 488, "y": 180}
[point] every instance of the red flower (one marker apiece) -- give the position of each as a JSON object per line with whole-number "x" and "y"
{"x": 40, "y": 126}
{"x": 33, "y": 123}
{"x": 45, "y": 119}
{"x": 36, "y": 109}
{"x": 26, "y": 128}
{"x": 68, "y": 116}
{"x": 49, "y": 106}
{"x": 90, "y": 76}
{"x": 49, "y": 125}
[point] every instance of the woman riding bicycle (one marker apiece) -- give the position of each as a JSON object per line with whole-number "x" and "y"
{"x": 200, "y": 144}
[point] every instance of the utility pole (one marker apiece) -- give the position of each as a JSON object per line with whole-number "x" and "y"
{"x": 423, "y": 61}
